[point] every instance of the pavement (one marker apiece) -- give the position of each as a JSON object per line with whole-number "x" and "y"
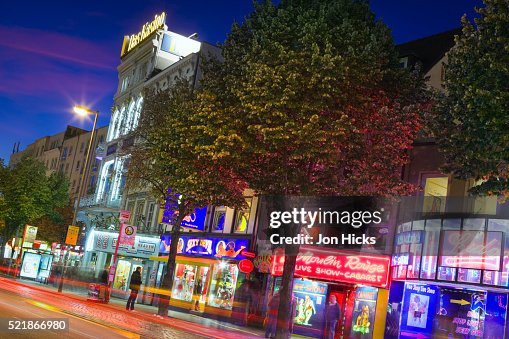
{"x": 141, "y": 323}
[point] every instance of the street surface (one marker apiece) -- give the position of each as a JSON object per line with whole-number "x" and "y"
{"x": 91, "y": 320}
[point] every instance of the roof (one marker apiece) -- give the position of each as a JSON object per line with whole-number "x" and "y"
{"x": 429, "y": 50}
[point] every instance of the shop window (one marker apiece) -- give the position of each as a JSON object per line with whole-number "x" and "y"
{"x": 435, "y": 191}
{"x": 130, "y": 208}
{"x": 189, "y": 283}
{"x": 242, "y": 218}
{"x": 418, "y": 225}
{"x": 219, "y": 219}
{"x": 446, "y": 273}
{"x": 491, "y": 278}
{"x": 222, "y": 286}
{"x": 430, "y": 249}
{"x": 122, "y": 275}
{"x": 451, "y": 224}
{"x": 469, "y": 275}
{"x": 474, "y": 224}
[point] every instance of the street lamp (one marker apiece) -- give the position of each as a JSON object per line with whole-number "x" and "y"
{"x": 81, "y": 111}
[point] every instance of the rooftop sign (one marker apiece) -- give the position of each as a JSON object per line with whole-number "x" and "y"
{"x": 146, "y": 30}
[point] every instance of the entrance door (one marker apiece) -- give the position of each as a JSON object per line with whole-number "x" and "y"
{"x": 341, "y": 297}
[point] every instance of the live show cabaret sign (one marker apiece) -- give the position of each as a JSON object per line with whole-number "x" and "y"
{"x": 338, "y": 266}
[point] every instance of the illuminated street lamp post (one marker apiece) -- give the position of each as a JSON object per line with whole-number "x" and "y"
{"x": 82, "y": 111}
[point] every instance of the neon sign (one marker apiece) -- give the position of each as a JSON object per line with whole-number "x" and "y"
{"x": 146, "y": 30}
{"x": 338, "y": 266}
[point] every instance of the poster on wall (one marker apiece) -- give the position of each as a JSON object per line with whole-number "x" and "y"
{"x": 418, "y": 310}
{"x": 310, "y": 306}
{"x": 363, "y": 315}
{"x": 461, "y": 314}
{"x": 30, "y": 265}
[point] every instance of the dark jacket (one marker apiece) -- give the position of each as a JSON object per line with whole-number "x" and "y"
{"x": 332, "y": 312}
{"x": 135, "y": 282}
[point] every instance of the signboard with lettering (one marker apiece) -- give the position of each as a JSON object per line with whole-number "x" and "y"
{"x": 222, "y": 248}
{"x": 124, "y": 216}
{"x": 29, "y": 235}
{"x": 471, "y": 249}
{"x": 146, "y": 30}
{"x": 340, "y": 266}
{"x": 144, "y": 247}
{"x": 72, "y": 235}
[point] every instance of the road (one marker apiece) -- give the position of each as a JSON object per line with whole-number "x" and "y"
{"x": 15, "y": 307}
{"x": 86, "y": 320}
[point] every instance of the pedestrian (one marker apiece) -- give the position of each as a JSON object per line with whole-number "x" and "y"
{"x": 271, "y": 318}
{"x": 332, "y": 315}
{"x": 134, "y": 285}
{"x": 197, "y": 294}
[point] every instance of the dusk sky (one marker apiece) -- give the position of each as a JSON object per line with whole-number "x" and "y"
{"x": 55, "y": 54}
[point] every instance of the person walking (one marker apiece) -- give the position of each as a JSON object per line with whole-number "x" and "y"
{"x": 332, "y": 315}
{"x": 197, "y": 295}
{"x": 273, "y": 307}
{"x": 134, "y": 285}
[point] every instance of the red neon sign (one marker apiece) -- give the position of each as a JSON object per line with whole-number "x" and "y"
{"x": 338, "y": 266}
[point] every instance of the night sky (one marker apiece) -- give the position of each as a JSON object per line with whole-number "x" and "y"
{"x": 55, "y": 54}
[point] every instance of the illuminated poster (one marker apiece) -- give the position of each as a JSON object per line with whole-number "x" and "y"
{"x": 310, "y": 306}
{"x": 461, "y": 314}
{"x": 220, "y": 248}
{"x": 363, "y": 315}
{"x": 418, "y": 310}
{"x": 30, "y": 266}
{"x": 496, "y": 307}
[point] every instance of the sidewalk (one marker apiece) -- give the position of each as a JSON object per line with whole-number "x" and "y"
{"x": 144, "y": 316}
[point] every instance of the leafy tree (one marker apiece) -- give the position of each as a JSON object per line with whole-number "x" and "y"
{"x": 309, "y": 100}
{"x": 471, "y": 120}
{"x": 29, "y": 195}
{"x": 164, "y": 160}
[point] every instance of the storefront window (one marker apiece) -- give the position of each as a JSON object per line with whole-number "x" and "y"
{"x": 452, "y": 224}
{"x": 122, "y": 275}
{"x": 222, "y": 287}
{"x": 418, "y": 225}
{"x": 430, "y": 250}
{"x": 468, "y": 275}
{"x": 474, "y": 224}
{"x": 184, "y": 282}
{"x": 446, "y": 273}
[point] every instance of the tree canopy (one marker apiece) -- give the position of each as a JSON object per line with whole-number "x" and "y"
{"x": 29, "y": 195}
{"x": 471, "y": 120}
{"x": 308, "y": 100}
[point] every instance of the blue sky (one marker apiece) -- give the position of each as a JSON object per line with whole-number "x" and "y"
{"x": 54, "y": 54}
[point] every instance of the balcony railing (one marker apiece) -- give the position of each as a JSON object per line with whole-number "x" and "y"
{"x": 91, "y": 200}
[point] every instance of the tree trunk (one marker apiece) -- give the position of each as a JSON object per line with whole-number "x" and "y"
{"x": 167, "y": 283}
{"x": 285, "y": 314}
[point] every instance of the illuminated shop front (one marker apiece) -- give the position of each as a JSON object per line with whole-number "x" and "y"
{"x": 450, "y": 279}
{"x": 99, "y": 252}
{"x": 206, "y": 272}
{"x": 359, "y": 281}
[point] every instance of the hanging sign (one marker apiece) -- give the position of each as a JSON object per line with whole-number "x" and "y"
{"x": 127, "y": 235}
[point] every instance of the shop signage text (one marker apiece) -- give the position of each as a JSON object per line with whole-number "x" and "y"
{"x": 344, "y": 267}
{"x": 144, "y": 247}
{"x": 146, "y": 30}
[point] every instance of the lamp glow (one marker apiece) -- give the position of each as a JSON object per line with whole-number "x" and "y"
{"x": 80, "y": 110}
